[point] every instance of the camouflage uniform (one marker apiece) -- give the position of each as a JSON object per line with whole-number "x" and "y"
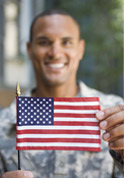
{"x": 59, "y": 164}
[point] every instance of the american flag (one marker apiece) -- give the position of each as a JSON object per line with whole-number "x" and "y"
{"x": 58, "y": 124}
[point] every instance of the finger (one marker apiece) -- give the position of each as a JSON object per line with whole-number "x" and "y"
{"x": 114, "y": 133}
{"x": 115, "y": 119}
{"x": 101, "y": 115}
{"x": 117, "y": 144}
{"x": 17, "y": 174}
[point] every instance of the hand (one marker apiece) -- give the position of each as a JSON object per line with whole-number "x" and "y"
{"x": 112, "y": 121}
{"x": 17, "y": 174}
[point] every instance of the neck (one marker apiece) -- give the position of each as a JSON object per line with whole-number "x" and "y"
{"x": 63, "y": 90}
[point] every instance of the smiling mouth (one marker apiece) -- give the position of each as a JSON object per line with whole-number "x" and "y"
{"x": 55, "y": 66}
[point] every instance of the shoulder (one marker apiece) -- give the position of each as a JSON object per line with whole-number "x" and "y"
{"x": 106, "y": 100}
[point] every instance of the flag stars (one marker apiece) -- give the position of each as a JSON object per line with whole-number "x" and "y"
{"x": 35, "y": 111}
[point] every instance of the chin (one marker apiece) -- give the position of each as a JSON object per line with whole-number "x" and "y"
{"x": 54, "y": 83}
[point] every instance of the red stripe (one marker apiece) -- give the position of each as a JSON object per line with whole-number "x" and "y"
{"x": 58, "y": 148}
{"x": 71, "y": 123}
{"x": 77, "y": 107}
{"x": 81, "y": 99}
{"x": 72, "y": 140}
{"x": 94, "y": 132}
{"x": 74, "y": 115}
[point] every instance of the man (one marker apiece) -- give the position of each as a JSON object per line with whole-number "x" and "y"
{"x": 55, "y": 49}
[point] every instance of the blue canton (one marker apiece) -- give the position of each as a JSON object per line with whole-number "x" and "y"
{"x": 35, "y": 111}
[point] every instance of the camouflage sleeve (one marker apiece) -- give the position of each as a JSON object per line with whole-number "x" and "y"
{"x": 1, "y": 165}
{"x": 119, "y": 163}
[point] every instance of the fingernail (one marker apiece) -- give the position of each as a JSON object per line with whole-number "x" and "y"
{"x": 111, "y": 144}
{"x": 103, "y": 124}
{"x": 27, "y": 174}
{"x": 100, "y": 115}
{"x": 106, "y": 135}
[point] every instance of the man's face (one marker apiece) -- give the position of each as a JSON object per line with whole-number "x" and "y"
{"x": 55, "y": 49}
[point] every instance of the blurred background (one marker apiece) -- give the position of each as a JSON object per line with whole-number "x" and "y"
{"x": 101, "y": 28}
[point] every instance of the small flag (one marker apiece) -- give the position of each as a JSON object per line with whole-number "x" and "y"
{"x": 58, "y": 124}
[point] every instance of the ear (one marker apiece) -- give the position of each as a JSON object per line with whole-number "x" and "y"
{"x": 81, "y": 49}
{"x": 29, "y": 49}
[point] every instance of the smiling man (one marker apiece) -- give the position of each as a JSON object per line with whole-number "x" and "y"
{"x": 55, "y": 49}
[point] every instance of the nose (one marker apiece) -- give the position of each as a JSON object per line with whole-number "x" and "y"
{"x": 55, "y": 51}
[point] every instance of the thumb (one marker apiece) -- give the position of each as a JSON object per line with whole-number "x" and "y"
{"x": 17, "y": 174}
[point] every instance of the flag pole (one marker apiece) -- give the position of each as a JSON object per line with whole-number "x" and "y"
{"x": 18, "y": 93}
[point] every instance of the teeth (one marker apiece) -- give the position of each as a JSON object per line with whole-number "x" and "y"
{"x": 56, "y": 65}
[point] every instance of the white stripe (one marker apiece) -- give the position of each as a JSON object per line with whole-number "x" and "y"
{"x": 50, "y": 127}
{"x": 57, "y": 136}
{"x": 77, "y": 103}
{"x": 75, "y": 119}
{"x": 59, "y": 144}
{"x": 75, "y": 111}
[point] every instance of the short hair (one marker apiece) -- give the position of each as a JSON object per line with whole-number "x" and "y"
{"x": 49, "y": 12}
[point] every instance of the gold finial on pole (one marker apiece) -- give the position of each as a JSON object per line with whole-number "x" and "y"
{"x": 18, "y": 91}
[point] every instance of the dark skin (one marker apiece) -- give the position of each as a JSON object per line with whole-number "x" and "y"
{"x": 55, "y": 51}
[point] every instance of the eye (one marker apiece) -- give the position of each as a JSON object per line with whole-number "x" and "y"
{"x": 44, "y": 43}
{"x": 67, "y": 43}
